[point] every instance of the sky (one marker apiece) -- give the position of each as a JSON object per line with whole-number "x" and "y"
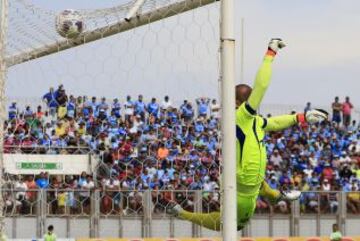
{"x": 179, "y": 56}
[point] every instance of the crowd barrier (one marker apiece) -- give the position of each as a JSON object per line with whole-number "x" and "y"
{"x": 357, "y": 238}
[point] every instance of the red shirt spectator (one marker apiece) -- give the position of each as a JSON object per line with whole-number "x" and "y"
{"x": 328, "y": 172}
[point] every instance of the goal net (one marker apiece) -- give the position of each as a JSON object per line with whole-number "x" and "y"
{"x": 82, "y": 152}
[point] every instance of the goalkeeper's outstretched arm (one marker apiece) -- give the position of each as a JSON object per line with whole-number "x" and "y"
{"x": 282, "y": 122}
{"x": 279, "y": 123}
{"x": 263, "y": 76}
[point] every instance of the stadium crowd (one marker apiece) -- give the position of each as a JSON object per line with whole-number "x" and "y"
{"x": 162, "y": 147}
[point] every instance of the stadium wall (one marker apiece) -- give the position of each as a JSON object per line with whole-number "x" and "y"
{"x": 25, "y": 227}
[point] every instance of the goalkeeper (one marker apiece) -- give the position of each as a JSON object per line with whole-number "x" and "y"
{"x": 251, "y": 150}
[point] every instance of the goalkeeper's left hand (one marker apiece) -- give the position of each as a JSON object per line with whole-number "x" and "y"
{"x": 313, "y": 116}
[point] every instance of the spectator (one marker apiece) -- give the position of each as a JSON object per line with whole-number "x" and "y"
{"x": 163, "y": 152}
{"x": 31, "y": 186}
{"x": 42, "y": 181}
{"x": 336, "y": 234}
{"x": 166, "y": 104}
{"x": 336, "y": 109}
{"x": 71, "y": 107}
{"x": 50, "y": 235}
{"x": 307, "y": 107}
{"x": 354, "y": 200}
{"x": 153, "y": 108}
{"x": 346, "y": 111}
{"x": 276, "y": 158}
{"x": 86, "y": 188}
{"x": 61, "y": 99}
{"x": 187, "y": 112}
{"x": 28, "y": 113}
{"x": 203, "y": 106}
{"x": 116, "y": 107}
{"x": 103, "y": 106}
{"x": 129, "y": 108}
{"x": 140, "y": 107}
{"x": 12, "y": 111}
{"x": 214, "y": 109}
{"x": 50, "y": 99}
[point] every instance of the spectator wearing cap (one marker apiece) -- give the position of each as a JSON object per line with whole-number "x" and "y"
{"x": 347, "y": 106}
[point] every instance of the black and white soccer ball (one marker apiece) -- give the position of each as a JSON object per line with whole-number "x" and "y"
{"x": 69, "y": 23}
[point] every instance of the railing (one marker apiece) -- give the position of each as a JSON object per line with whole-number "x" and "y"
{"x": 46, "y": 149}
{"x": 150, "y": 208}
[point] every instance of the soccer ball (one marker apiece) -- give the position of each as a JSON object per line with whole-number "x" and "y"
{"x": 69, "y": 23}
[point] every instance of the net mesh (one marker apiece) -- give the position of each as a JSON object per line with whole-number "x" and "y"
{"x": 79, "y": 155}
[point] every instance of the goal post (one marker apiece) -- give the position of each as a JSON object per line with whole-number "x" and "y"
{"x": 229, "y": 215}
{"x": 3, "y": 31}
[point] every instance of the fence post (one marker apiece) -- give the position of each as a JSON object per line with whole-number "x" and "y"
{"x": 342, "y": 213}
{"x": 271, "y": 221}
{"x": 295, "y": 218}
{"x": 318, "y": 215}
{"x": 196, "y": 229}
{"x": 94, "y": 213}
{"x": 147, "y": 210}
{"x": 41, "y": 209}
{"x": 246, "y": 232}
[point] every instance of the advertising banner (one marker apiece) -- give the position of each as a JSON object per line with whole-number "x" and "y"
{"x": 53, "y": 164}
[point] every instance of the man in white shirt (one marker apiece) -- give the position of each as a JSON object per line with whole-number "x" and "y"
{"x": 85, "y": 194}
{"x": 20, "y": 188}
{"x": 326, "y": 185}
{"x": 129, "y": 107}
{"x": 344, "y": 158}
{"x": 276, "y": 158}
{"x": 166, "y": 103}
{"x": 214, "y": 109}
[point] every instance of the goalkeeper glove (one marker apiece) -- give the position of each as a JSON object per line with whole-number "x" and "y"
{"x": 312, "y": 116}
{"x": 275, "y": 44}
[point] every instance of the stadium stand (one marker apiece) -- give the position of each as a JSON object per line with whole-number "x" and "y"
{"x": 172, "y": 150}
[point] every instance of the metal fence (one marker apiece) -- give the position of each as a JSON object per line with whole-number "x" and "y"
{"x": 147, "y": 209}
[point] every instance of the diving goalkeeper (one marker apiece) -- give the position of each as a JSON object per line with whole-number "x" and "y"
{"x": 251, "y": 151}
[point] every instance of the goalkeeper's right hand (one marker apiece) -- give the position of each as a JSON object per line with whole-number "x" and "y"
{"x": 313, "y": 116}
